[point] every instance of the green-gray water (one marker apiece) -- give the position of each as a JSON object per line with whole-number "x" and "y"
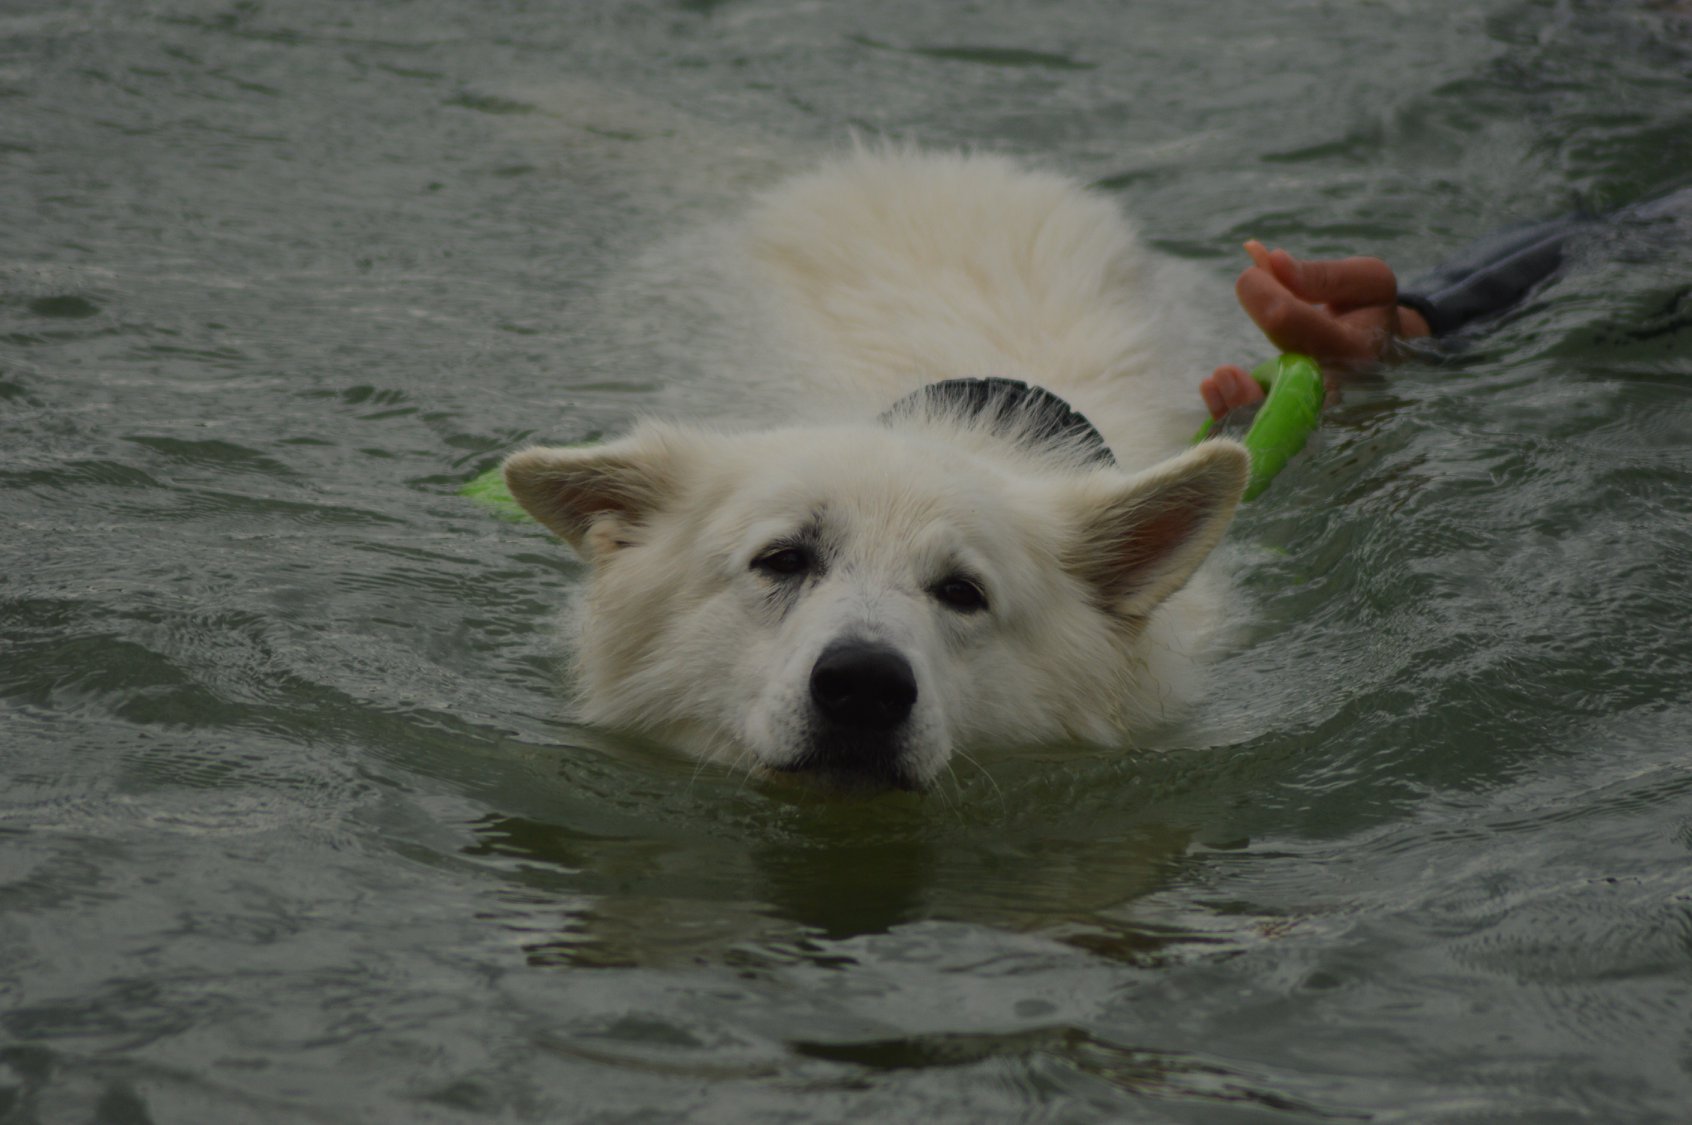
{"x": 293, "y": 827}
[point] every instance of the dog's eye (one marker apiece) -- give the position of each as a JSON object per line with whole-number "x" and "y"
{"x": 783, "y": 562}
{"x": 960, "y": 593}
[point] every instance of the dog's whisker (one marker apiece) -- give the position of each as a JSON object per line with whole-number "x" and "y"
{"x": 693, "y": 778}
{"x": 939, "y": 792}
{"x": 998, "y": 792}
{"x": 746, "y": 762}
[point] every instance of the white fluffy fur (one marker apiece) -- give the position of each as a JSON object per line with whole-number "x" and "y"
{"x": 887, "y": 270}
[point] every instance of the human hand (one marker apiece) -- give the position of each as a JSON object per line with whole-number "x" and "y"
{"x": 1342, "y": 312}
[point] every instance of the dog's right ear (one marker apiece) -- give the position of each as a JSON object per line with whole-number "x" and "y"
{"x": 596, "y": 497}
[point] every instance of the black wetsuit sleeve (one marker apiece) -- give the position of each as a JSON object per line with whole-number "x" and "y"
{"x": 1493, "y": 274}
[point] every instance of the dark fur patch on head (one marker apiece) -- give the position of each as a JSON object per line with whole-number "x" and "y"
{"x": 1030, "y": 416}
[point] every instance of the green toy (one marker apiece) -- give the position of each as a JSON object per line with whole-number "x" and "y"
{"x": 489, "y": 489}
{"x": 1290, "y": 411}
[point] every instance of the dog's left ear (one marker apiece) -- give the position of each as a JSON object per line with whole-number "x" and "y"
{"x": 1138, "y": 542}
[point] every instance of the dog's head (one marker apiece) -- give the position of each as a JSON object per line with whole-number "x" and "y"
{"x": 859, "y": 603}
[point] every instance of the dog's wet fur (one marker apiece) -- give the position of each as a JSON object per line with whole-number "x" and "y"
{"x": 861, "y": 598}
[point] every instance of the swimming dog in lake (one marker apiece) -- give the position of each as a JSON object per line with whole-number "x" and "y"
{"x": 998, "y": 542}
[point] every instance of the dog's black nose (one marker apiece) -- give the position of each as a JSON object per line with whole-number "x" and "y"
{"x": 863, "y": 686}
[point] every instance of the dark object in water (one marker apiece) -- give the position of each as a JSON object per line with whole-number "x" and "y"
{"x": 1494, "y": 273}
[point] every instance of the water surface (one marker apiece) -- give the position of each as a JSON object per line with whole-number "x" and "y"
{"x": 293, "y": 823}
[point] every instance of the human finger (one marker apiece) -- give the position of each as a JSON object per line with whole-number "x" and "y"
{"x": 1237, "y": 387}
{"x": 1259, "y": 253}
{"x": 1212, "y": 394}
{"x": 1343, "y": 282}
{"x": 1229, "y": 387}
{"x": 1294, "y": 325}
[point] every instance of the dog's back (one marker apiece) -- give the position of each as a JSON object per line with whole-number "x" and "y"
{"x": 896, "y": 268}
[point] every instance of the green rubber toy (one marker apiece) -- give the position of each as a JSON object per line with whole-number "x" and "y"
{"x": 1291, "y": 408}
{"x": 489, "y": 489}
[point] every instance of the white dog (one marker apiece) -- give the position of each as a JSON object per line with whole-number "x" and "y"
{"x": 967, "y": 560}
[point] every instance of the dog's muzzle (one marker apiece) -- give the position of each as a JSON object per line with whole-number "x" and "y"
{"x": 862, "y": 695}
